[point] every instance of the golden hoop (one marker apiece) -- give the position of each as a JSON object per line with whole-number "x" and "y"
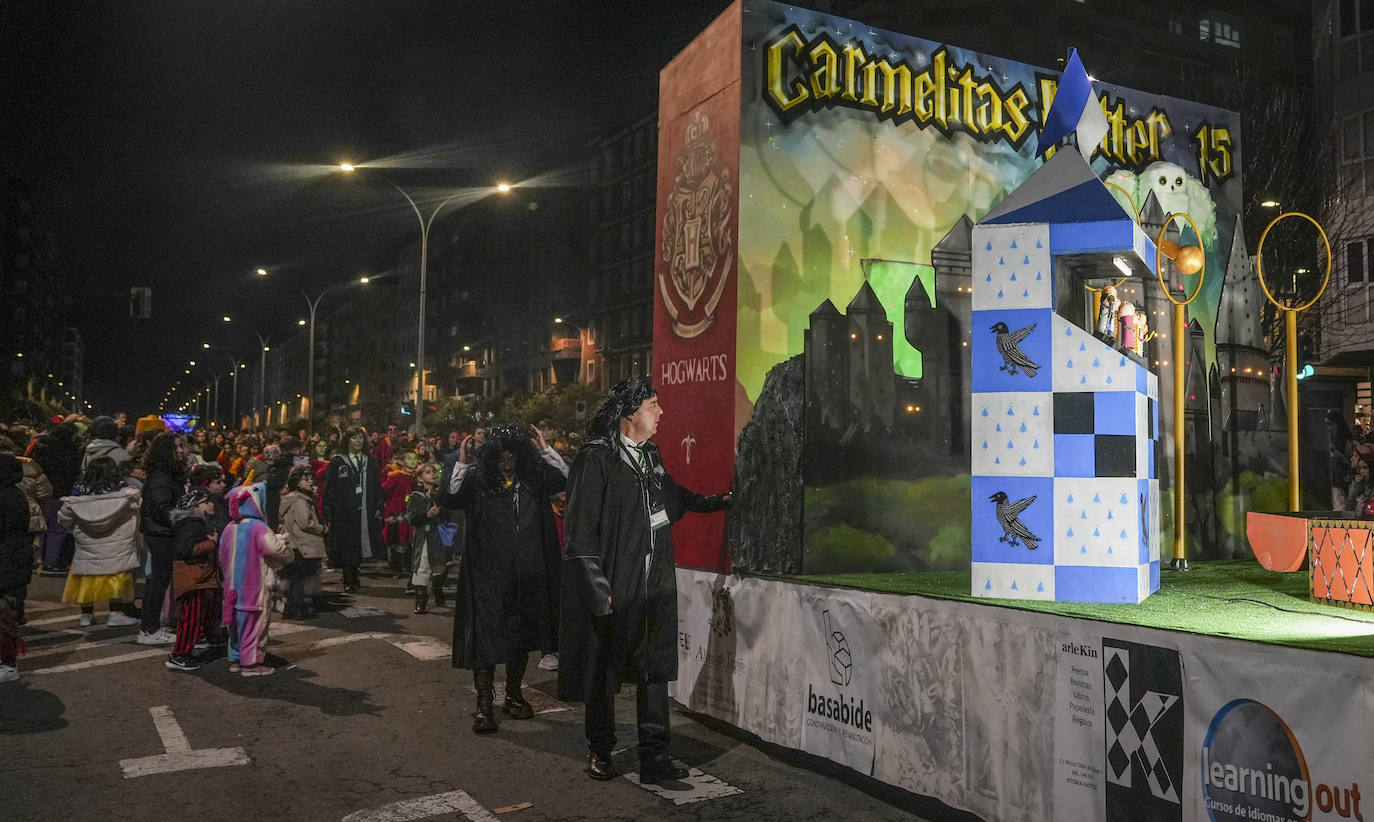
{"x": 1135, "y": 209}
{"x": 1159, "y": 270}
{"x": 1259, "y": 263}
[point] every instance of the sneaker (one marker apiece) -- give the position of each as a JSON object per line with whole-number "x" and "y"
{"x": 182, "y": 663}
{"x": 9, "y": 673}
{"x": 161, "y": 636}
{"x": 234, "y": 667}
{"x": 257, "y": 670}
{"x": 87, "y": 619}
{"x": 120, "y": 620}
{"x": 548, "y": 662}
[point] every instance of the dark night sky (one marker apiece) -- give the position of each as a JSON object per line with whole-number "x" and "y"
{"x": 166, "y": 141}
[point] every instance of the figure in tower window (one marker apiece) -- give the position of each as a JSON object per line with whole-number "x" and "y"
{"x": 1106, "y": 315}
{"x": 1126, "y": 320}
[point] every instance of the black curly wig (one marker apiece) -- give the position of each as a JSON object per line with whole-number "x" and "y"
{"x": 516, "y": 438}
{"x": 624, "y": 399}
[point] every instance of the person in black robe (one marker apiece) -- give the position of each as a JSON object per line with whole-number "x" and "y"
{"x": 619, "y": 596}
{"x": 353, "y": 507}
{"x": 504, "y": 608}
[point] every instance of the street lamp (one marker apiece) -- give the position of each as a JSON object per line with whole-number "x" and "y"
{"x": 425, "y": 225}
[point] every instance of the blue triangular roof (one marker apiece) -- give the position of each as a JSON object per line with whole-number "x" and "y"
{"x": 1063, "y": 190}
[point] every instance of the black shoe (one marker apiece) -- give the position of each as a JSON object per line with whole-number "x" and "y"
{"x": 350, "y": 589}
{"x": 517, "y": 708}
{"x": 183, "y": 663}
{"x": 599, "y": 767}
{"x": 660, "y": 770}
{"x": 483, "y": 721}
{"x": 421, "y": 605}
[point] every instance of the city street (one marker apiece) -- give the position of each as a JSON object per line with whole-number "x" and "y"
{"x": 364, "y": 720}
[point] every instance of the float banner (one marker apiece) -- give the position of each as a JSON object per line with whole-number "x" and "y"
{"x": 694, "y": 276}
{"x": 1013, "y": 715}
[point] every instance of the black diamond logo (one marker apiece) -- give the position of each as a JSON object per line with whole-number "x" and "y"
{"x": 1140, "y": 720}
{"x": 1117, "y": 758}
{"x": 1116, "y": 715}
{"x": 1116, "y": 672}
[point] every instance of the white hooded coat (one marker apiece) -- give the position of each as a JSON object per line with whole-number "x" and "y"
{"x": 106, "y": 531}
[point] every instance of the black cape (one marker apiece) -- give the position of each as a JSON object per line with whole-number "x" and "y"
{"x": 607, "y": 540}
{"x": 507, "y": 582}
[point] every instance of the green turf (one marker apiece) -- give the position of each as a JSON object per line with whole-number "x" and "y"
{"x": 1231, "y": 599}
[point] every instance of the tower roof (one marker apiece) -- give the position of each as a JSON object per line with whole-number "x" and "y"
{"x": 1063, "y": 190}
{"x": 865, "y": 301}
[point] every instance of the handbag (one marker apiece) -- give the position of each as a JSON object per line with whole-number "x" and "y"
{"x": 448, "y": 532}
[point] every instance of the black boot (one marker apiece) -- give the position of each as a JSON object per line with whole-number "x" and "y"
{"x": 439, "y": 598}
{"x": 484, "y": 721}
{"x": 516, "y": 707}
{"x": 421, "y": 600}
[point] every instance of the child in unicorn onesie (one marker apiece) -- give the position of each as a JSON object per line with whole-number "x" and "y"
{"x": 249, "y": 552}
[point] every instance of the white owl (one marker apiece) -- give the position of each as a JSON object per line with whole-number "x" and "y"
{"x": 1177, "y": 191}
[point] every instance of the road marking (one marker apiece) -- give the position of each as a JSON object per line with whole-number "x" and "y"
{"x": 179, "y": 755}
{"x": 33, "y": 623}
{"x": 423, "y": 808}
{"x": 355, "y": 611}
{"x": 99, "y": 663}
{"x": 423, "y": 648}
{"x": 697, "y": 786}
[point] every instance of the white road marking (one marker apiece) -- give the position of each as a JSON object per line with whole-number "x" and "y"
{"x": 179, "y": 755}
{"x": 698, "y": 786}
{"x": 423, "y": 648}
{"x": 355, "y": 611}
{"x": 423, "y": 808}
{"x": 52, "y": 620}
{"x": 101, "y": 662}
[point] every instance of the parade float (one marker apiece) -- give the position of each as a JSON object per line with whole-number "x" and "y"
{"x": 880, "y": 318}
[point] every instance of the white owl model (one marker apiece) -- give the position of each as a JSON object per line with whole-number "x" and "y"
{"x": 1177, "y": 191}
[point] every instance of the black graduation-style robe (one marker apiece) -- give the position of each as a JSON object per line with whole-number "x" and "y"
{"x": 611, "y": 551}
{"x": 343, "y": 508}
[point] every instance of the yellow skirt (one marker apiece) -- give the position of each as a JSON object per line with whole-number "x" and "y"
{"x": 87, "y": 590}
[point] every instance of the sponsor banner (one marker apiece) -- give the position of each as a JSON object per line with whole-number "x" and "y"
{"x": 1281, "y": 738}
{"x": 1013, "y": 715}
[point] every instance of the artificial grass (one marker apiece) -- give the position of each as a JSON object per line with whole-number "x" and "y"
{"x": 1237, "y": 599}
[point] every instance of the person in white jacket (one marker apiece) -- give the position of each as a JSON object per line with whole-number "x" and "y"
{"x": 103, "y": 516}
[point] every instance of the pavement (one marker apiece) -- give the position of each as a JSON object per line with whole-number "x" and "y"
{"x": 364, "y": 720}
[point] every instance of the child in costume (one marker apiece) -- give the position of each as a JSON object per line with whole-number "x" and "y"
{"x": 396, "y": 486}
{"x": 195, "y": 575}
{"x": 428, "y": 555}
{"x": 248, "y": 553}
{"x": 305, "y": 534}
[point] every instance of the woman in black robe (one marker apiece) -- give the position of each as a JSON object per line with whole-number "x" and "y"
{"x": 505, "y": 608}
{"x": 353, "y": 506}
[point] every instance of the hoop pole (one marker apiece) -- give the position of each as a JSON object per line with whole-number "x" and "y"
{"x": 1180, "y": 562}
{"x": 1290, "y": 319}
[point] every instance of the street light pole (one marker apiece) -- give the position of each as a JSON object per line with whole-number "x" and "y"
{"x": 234, "y": 403}
{"x": 262, "y": 375}
{"x": 425, "y": 225}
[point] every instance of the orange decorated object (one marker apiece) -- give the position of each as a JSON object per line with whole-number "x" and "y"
{"x": 1279, "y": 541}
{"x": 1341, "y": 562}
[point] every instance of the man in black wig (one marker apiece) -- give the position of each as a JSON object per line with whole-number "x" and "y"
{"x": 619, "y": 597}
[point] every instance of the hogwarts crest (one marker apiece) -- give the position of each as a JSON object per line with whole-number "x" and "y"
{"x": 698, "y": 240}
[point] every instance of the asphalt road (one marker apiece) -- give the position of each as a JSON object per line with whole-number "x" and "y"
{"x": 364, "y": 720}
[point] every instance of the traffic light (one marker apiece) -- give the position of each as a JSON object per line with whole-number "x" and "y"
{"x": 1306, "y": 357}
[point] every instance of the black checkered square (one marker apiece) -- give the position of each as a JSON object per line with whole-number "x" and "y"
{"x": 1075, "y": 413}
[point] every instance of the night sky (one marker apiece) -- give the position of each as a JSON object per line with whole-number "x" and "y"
{"x": 180, "y": 145}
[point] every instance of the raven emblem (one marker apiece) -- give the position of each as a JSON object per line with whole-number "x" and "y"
{"x": 1008, "y": 345}
{"x": 1013, "y": 531}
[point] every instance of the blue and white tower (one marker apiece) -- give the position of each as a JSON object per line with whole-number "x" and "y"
{"x": 1064, "y": 426}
